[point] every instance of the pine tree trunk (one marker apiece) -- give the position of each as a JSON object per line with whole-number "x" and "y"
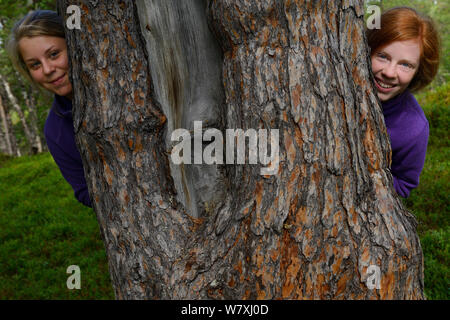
{"x": 312, "y": 230}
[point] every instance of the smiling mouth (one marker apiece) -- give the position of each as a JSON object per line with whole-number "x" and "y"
{"x": 383, "y": 84}
{"x": 57, "y": 79}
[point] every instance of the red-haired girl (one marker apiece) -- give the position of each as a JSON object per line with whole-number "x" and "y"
{"x": 405, "y": 58}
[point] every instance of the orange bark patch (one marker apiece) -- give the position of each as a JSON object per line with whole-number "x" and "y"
{"x": 261, "y": 294}
{"x": 126, "y": 197}
{"x": 291, "y": 277}
{"x": 136, "y": 71}
{"x": 365, "y": 256}
{"x": 258, "y": 259}
{"x": 238, "y": 268}
{"x": 387, "y": 285}
{"x": 316, "y": 174}
{"x": 138, "y": 145}
{"x": 121, "y": 153}
{"x": 342, "y": 283}
{"x": 105, "y": 73}
{"x": 298, "y": 136}
{"x": 137, "y": 97}
{"x": 84, "y": 8}
{"x": 258, "y": 195}
{"x": 270, "y": 216}
{"x": 108, "y": 173}
{"x": 337, "y": 265}
{"x": 317, "y": 51}
{"x": 369, "y": 144}
{"x": 296, "y": 94}
{"x": 130, "y": 40}
{"x": 356, "y": 77}
{"x": 231, "y": 283}
{"x": 290, "y": 148}
{"x": 274, "y": 254}
{"x": 321, "y": 287}
{"x": 289, "y": 265}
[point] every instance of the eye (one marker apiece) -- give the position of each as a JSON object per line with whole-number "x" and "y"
{"x": 34, "y": 65}
{"x": 407, "y": 65}
{"x": 54, "y": 54}
{"x": 382, "y": 56}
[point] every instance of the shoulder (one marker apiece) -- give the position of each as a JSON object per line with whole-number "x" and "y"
{"x": 414, "y": 119}
{"x": 413, "y": 108}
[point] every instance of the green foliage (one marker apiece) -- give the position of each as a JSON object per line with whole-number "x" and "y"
{"x": 44, "y": 230}
{"x": 10, "y": 12}
{"x": 437, "y": 110}
{"x": 4, "y": 158}
{"x": 435, "y": 245}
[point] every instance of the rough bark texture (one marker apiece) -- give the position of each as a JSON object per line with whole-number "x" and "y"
{"x": 309, "y": 232}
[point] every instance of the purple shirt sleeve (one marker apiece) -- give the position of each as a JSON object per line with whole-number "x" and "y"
{"x": 71, "y": 171}
{"x": 408, "y": 163}
{"x": 60, "y": 137}
{"x": 408, "y": 130}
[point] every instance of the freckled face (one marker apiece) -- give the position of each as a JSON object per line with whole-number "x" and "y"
{"x": 47, "y": 61}
{"x": 394, "y": 66}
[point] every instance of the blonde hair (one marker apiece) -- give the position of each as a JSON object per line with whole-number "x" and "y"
{"x": 35, "y": 23}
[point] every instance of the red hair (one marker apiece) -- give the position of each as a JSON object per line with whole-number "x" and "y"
{"x": 404, "y": 23}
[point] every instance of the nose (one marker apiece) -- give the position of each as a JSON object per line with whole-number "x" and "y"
{"x": 47, "y": 67}
{"x": 389, "y": 70}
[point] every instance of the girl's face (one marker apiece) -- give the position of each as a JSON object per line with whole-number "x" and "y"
{"x": 47, "y": 62}
{"x": 394, "y": 66}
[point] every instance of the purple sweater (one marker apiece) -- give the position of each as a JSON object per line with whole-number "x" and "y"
{"x": 60, "y": 137}
{"x": 408, "y": 129}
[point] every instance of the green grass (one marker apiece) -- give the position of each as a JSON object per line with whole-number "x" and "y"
{"x": 43, "y": 229}
{"x": 430, "y": 202}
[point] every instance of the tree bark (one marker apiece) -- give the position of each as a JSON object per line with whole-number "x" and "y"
{"x": 312, "y": 230}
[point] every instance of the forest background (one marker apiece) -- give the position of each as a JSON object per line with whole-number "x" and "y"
{"x": 44, "y": 230}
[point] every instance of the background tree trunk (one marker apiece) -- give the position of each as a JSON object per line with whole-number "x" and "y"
{"x": 29, "y": 135}
{"x": 8, "y": 131}
{"x": 6, "y": 146}
{"x": 310, "y": 231}
{"x": 29, "y": 98}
